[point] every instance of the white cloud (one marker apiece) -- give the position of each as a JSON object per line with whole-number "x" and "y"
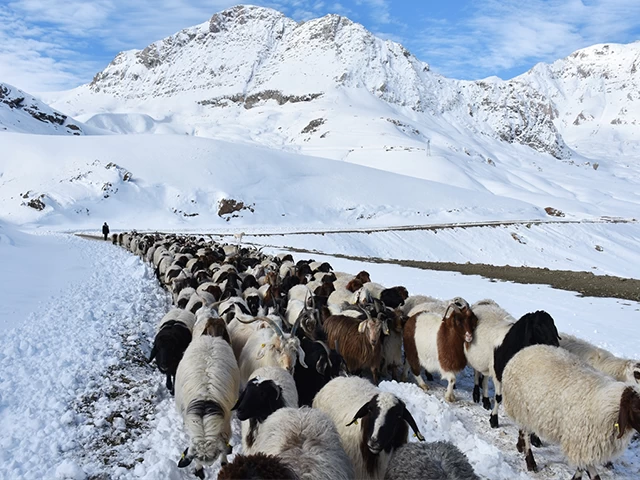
{"x": 513, "y": 34}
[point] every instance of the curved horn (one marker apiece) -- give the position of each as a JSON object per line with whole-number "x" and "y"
{"x": 246, "y": 322}
{"x": 301, "y": 357}
{"x": 412, "y": 423}
{"x": 294, "y": 329}
{"x": 274, "y": 325}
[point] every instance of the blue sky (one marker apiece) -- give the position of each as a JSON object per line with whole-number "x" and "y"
{"x": 58, "y": 44}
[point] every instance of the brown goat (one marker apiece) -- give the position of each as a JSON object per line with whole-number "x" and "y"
{"x": 437, "y": 343}
{"x": 359, "y": 341}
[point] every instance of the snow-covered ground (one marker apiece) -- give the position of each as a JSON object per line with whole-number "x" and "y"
{"x": 77, "y": 399}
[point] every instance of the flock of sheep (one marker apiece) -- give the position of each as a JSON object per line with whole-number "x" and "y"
{"x": 282, "y": 345}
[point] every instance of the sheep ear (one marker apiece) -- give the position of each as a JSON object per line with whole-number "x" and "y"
{"x": 385, "y": 327}
{"x": 235, "y": 407}
{"x": 362, "y": 326}
{"x": 624, "y": 417}
{"x": 359, "y": 414}
{"x": 185, "y": 459}
{"x": 154, "y": 352}
{"x": 412, "y": 423}
{"x": 321, "y": 365}
{"x": 261, "y": 352}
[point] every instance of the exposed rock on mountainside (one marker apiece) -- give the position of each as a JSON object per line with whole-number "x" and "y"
{"x": 21, "y": 112}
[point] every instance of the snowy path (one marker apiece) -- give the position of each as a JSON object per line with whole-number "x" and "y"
{"x": 77, "y": 399}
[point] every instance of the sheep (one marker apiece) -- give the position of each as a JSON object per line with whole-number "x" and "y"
{"x": 383, "y": 422}
{"x": 172, "y": 338}
{"x": 493, "y": 324}
{"x": 622, "y": 369}
{"x": 270, "y": 347}
{"x": 268, "y": 389}
{"x": 358, "y": 341}
{"x": 429, "y": 461}
{"x": 256, "y": 467}
{"x": 536, "y": 328}
{"x": 324, "y": 364}
{"x": 437, "y": 343}
{"x": 207, "y": 385}
{"x": 307, "y": 440}
{"x": 552, "y": 392}
{"x": 394, "y": 297}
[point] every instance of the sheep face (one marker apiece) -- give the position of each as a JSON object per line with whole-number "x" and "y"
{"x": 286, "y": 349}
{"x": 385, "y": 421}
{"x": 373, "y": 329}
{"x": 629, "y": 416}
{"x": 632, "y": 373}
{"x": 258, "y": 400}
{"x": 461, "y": 318}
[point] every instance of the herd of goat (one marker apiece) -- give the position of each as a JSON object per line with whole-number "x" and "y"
{"x": 297, "y": 349}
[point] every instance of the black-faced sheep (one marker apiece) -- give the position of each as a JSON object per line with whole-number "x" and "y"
{"x": 537, "y": 328}
{"x": 268, "y": 389}
{"x": 171, "y": 340}
{"x": 371, "y": 423}
{"x": 551, "y": 392}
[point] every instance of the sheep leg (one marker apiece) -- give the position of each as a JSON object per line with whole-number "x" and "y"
{"x": 520, "y": 444}
{"x": 531, "y": 463}
{"x": 493, "y": 420}
{"x": 199, "y": 471}
{"x": 449, "y": 396}
{"x": 169, "y": 383}
{"x": 486, "y": 403}
{"x": 420, "y": 381}
{"x": 593, "y": 473}
{"x": 577, "y": 475}
{"x": 477, "y": 378}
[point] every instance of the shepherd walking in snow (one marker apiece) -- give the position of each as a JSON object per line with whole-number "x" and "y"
{"x": 105, "y": 230}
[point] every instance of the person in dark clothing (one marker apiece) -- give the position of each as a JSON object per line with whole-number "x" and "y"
{"x": 105, "y": 230}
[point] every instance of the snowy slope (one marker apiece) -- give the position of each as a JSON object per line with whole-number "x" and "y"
{"x": 21, "y": 112}
{"x": 180, "y": 182}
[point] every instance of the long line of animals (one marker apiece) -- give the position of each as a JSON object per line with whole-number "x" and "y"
{"x": 287, "y": 346}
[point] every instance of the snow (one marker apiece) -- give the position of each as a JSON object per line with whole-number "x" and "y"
{"x": 325, "y": 128}
{"x": 78, "y": 400}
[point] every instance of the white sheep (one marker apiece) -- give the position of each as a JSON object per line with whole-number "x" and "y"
{"x": 207, "y": 385}
{"x": 493, "y": 324}
{"x": 622, "y": 369}
{"x": 307, "y": 441}
{"x": 371, "y": 423}
{"x": 270, "y": 347}
{"x": 552, "y": 392}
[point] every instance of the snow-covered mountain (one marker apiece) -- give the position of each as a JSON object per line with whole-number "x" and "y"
{"x": 561, "y": 135}
{"x": 21, "y": 112}
{"x": 246, "y": 56}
